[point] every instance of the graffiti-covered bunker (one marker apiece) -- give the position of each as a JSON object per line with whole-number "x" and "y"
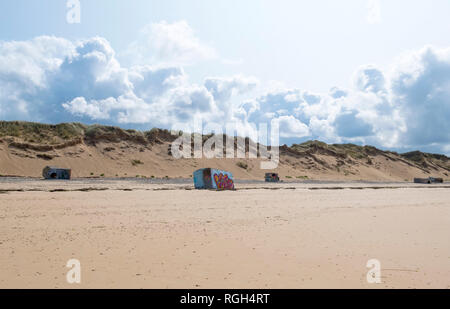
{"x": 50, "y": 172}
{"x": 209, "y": 178}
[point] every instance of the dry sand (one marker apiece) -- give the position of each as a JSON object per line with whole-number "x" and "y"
{"x": 169, "y": 236}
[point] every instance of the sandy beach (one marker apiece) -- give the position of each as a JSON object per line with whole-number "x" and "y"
{"x": 134, "y": 234}
{"x": 225, "y": 146}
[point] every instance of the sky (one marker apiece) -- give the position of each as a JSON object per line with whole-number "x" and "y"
{"x": 362, "y": 71}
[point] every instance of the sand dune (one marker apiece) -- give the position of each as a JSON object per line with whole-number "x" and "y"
{"x": 98, "y": 151}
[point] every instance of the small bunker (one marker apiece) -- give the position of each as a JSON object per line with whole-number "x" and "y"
{"x": 429, "y": 180}
{"x": 209, "y": 178}
{"x": 272, "y": 177}
{"x": 50, "y": 172}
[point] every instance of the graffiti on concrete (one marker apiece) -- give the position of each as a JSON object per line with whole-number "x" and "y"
{"x": 223, "y": 182}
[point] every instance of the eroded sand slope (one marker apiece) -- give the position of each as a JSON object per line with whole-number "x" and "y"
{"x": 100, "y": 151}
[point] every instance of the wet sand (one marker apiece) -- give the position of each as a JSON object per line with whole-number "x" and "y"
{"x": 136, "y": 234}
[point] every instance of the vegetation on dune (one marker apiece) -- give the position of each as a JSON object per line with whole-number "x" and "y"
{"x": 366, "y": 154}
{"x": 302, "y": 177}
{"x": 48, "y": 134}
{"x": 338, "y": 150}
{"x": 424, "y": 159}
{"x": 420, "y": 156}
{"x": 42, "y": 133}
{"x": 242, "y": 165}
{"x": 136, "y": 162}
{"x": 46, "y": 137}
{"x": 98, "y": 133}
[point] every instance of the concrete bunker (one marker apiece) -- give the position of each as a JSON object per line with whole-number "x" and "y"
{"x": 50, "y": 172}
{"x": 213, "y": 179}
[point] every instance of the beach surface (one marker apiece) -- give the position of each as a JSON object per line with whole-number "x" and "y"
{"x": 163, "y": 234}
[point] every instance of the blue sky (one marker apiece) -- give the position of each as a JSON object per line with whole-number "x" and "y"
{"x": 368, "y": 72}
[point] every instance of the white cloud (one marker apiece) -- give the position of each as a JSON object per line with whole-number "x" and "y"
{"x": 421, "y": 91}
{"x": 55, "y": 80}
{"x": 94, "y": 109}
{"x": 370, "y": 79}
{"x": 170, "y": 44}
{"x": 292, "y": 127}
{"x": 324, "y": 129}
{"x": 224, "y": 89}
{"x": 52, "y": 79}
{"x": 28, "y": 61}
{"x": 404, "y": 109}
